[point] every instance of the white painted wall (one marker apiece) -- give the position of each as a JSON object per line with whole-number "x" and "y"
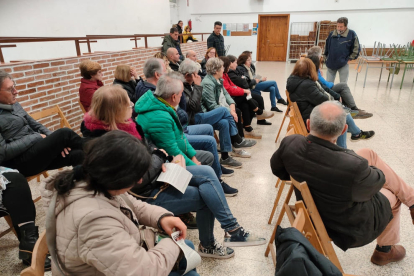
{"x": 373, "y": 20}
{"x": 79, "y": 18}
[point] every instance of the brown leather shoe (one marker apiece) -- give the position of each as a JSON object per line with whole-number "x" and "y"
{"x": 397, "y": 253}
{"x": 412, "y": 214}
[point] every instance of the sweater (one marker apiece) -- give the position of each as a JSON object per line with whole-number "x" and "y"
{"x": 340, "y": 48}
{"x": 86, "y": 91}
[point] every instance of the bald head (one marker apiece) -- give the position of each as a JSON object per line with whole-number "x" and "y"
{"x": 191, "y": 55}
{"x": 173, "y": 55}
{"x": 327, "y": 120}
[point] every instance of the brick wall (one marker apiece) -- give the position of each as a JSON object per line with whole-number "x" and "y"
{"x": 46, "y": 83}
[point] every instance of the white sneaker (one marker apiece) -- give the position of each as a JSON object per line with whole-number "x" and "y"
{"x": 240, "y": 153}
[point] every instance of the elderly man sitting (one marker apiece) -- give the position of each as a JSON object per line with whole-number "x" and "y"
{"x": 192, "y": 55}
{"x": 357, "y": 194}
{"x": 174, "y": 58}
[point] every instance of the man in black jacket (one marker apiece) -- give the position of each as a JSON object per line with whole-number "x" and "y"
{"x": 174, "y": 58}
{"x": 216, "y": 39}
{"x": 357, "y": 194}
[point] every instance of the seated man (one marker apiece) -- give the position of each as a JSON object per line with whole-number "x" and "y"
{"x": 154, "y": 68}
{"x": 357, "y": 194}
{"x": 171, "y": 41}
{"x": 193, "y": 56}
{"x": 28, "y": 146}
{"x": 174, "y": 58}
{"x": 315, "y": 54}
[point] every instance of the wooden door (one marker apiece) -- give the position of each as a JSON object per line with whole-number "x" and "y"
{"x": 272, "y": 39}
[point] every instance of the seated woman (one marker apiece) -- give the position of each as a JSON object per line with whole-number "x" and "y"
{"x": 28, "y": 146}
{"x": 16, "y": 201}
{"x": 96, "y": 221}
{"x": 123, "y": 77}
{"x": 257, "y": 84}
{"x": 245, "y": 101}
{"x": 187, "y": 35}
{"x": 91, "y": 80}
{"x": 211, "y": 53}
{"x": 162, "y": 56}
{"x": 307, "y": 93}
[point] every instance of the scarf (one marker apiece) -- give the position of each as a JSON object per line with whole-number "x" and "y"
{"x": 323, "y": 91}
{"x": 250, "y": 74}
{"x": 92, "y": 124}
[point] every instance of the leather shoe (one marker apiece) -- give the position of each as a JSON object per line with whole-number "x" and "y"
{"x": 397, "y": 253}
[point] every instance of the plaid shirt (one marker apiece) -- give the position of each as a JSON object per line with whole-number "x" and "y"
{"x": 216, "y": 41}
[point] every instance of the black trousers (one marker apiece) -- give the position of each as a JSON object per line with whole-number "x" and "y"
{"x": 239, "y": 123}
{"x": 246, "y": 107}
{"x": 46, "y": 153}
{"x": 259, "y": 100}
{"x": 17, "y": 199}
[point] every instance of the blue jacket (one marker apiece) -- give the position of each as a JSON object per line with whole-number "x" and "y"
{"x": 340, "y": 48}
{"x": 323, "y": 81}
{"x": 142, "y": 88}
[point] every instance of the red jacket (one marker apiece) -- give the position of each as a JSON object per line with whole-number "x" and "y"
{"x": 86, "y": 90}
{"x": 231, "y": 88}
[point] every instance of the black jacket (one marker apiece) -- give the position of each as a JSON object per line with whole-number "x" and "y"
{"x": 129, "y": 87}
{"x": 238, "y": 78}
{"x": 192, "y": 96}
{"x": 217, "y": 41}
{"x": 295, "y": 255}
{"x": 306, "y": 94}
{"x": 174, "y": 66}
{"x": 243, "y": 71}
{"x": 149, "y": 180}
{"x": 344, "y": 187}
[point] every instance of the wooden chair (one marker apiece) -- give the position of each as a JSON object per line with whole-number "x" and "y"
{"x": 306, "y": 218}
{"x": 81, "y": 106}
{"x": 7, "y": 217}
{"x": 286, "y": 115}
{"x": 40, "y": 252}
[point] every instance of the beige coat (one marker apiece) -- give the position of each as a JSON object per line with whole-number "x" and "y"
{"x": 95, "y": 238}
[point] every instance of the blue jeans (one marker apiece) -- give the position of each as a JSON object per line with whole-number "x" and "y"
{"x": 221, "y": 120}
{"x": 352, "y": 127}
{"x": 268, "y": 86}
{"x": 183, "y": 264}
{"x": 205, "y": 195}
{"x": 201, "y": 137}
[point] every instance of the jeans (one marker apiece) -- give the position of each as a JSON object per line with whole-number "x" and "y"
{"x": 221, "y": 120}
{"x": 205, "y": 195}
{"x": 268, "y": 86}
{"x": 183, "y": 264}
{"x": 352, "y": 127}
{"x": 343, "y": 74}
{"x": 346, "y": 95}
{"x": 46, "y": 153}
{"x": 201, "y": 137}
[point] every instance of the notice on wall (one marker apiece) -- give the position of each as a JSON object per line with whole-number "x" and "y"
{"x": 245, "y": 27}
{"x": 232, "y": 27}
{"x": 224, "y": 26}
{"x": 239, "y": 27}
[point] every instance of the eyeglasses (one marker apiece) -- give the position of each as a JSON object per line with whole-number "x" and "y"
{"x": 10, "y": 90}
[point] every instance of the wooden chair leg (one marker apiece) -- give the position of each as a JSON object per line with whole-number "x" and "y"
{"x": 279, "y": 193}
{"x": 11, "y": 228}
{"x": 281, "y": 125}
{"x": 38, "y": 258}
{"x": 277, "y": 183}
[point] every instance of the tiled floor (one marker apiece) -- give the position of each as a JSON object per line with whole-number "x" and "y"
{"x": 394, "y": 141}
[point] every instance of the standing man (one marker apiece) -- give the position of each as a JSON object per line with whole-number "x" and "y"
{"x": 171, "y": 41}
{"x": 341, "y": 46}
{"x": 216, "y": 40}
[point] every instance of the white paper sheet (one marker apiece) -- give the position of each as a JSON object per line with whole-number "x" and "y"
{"x": 239, "y": 27}
{"x": 176, "y": 176}
{"x": 192, "y": 257}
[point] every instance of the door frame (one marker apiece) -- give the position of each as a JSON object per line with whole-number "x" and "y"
{"x": 258, "y": 57}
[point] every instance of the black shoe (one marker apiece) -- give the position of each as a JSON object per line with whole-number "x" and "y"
{"x": 29, "y": 234}
{"x": 363, "y": 135}
{"x": 189, "y": 220}
{"x": 282, "y": 101}
{"x": 276, "y": 109}
{"x": 263, "y": 122}
{"x": 226, "y": 172}
{"x": 228, "y": 191}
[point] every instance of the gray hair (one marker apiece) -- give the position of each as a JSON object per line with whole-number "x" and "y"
{"x": 213, "y": 65}
{"x": 151, "y": 66}
{"x": 188, "y": 67}
{"x": 169, "y": 84}
{"x": 328, "y": 122}
{"x": 4, "y": 75}
{"x": 315, "y": 51}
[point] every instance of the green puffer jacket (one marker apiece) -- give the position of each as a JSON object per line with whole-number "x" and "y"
{"x": 162, "y": 126}
{"x": 211, "y": 93}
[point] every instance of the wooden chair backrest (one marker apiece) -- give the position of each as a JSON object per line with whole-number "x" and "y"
{"x": 38, "y": 258}
{"x": 81, "y": 106}
{"x": 310, "y": 223}
{"x": 55, "y": 110}
{"x": 299, "y": 120}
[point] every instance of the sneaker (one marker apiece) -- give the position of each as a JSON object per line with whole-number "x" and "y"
{"x": 282, "y": 101}
{"x": 265, "y": 115}
{"x": 226, "y": 172}
{"x": 189, "y": 220}
{"x": 354, "y": 112}
{"x": 264, "y": 123}
{"x": 362, "y": 114}
{"x": 216, "y": 251}
{"x": 276, "y": 109}
{"x": 363, "y": 135}
{"x": 252, "y": 134}
{"x": 240, "y": 153}
{"x": 228, "y": 191}
{"x": 245, "y": 143}
{"x": 241, "y": 237}
{"x": 230, "y": 162}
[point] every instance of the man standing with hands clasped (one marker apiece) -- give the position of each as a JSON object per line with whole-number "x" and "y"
{"x": 341, "y": 46}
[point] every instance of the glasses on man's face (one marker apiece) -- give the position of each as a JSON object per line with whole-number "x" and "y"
{"x": 11, "y": 90}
